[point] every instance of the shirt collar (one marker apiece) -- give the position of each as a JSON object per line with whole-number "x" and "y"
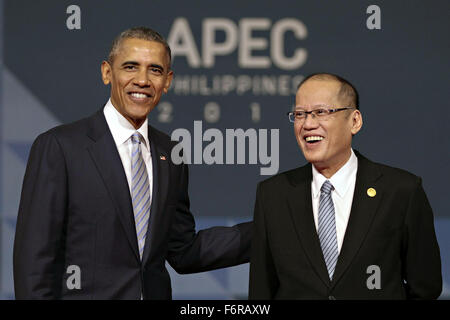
{"x": 121, "y": 128}
{"x": 341, "y": 180}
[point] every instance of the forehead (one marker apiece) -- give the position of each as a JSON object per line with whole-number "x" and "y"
{"x": 142, "y": 51}
{"x": 315, "y": 92}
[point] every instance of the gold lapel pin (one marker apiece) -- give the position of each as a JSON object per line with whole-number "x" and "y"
{"x": 371, "y": 192}
{"x": 162, "y": 157}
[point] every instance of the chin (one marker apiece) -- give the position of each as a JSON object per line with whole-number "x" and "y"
{"x": 313, "y": 158}
{"x": 139, "y": 112}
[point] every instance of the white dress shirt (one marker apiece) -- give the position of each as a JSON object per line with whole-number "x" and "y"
{"x": 343, "y": 181}
{"x": 122, "y": 130}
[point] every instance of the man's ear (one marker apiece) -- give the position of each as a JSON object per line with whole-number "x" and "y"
{"x": 168, "y": 81}
{"x": 357, "y": 122}
{"x": 106, "y": 72}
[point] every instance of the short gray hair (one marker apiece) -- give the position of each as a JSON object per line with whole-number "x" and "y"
{"x": 347, "y": 92}
{"x": 143, "y": 33}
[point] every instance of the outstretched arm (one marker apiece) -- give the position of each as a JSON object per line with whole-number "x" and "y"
{"x": 209, "y": 249}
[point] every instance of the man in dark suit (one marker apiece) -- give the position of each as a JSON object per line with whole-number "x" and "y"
{"x": 342, "y": 226}
{"x": 102, "y": 200}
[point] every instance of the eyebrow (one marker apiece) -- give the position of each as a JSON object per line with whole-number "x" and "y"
{"x": 316, "y": 106}
{"x": 135, "y": 63}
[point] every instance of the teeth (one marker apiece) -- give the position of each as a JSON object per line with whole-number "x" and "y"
{"x": 139, "y": 95}
{"x": 313, "y": 138}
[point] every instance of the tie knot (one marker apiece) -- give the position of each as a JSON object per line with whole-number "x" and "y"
{"x": 327, "y": 187}
{"x": 136, "y": 138}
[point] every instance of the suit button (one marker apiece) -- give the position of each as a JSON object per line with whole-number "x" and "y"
{"x": 331, "y": 298}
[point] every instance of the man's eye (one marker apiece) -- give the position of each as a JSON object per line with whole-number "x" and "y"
{"x": 130, "y": 67}
{"x": 299, "y": 114}
{"x": 320, "y": 112}
{"x": 156, "y": 70}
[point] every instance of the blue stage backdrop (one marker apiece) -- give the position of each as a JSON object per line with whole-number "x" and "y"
{"x": 237, "y": 65}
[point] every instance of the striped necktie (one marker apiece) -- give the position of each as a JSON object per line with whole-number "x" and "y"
{"x": 140, "y": 191}
{"x": 327, "y": 228}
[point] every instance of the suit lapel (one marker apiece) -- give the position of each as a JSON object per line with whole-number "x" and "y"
{"x": 107, "y": 160}
{"x": 300, "y": 205}
{"x": 362, "y": 213}
{"x": 160, "y": 163}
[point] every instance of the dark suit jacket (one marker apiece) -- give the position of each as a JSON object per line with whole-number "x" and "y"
{"x": 76, "y": 209}
{"x": 393, "y": 230}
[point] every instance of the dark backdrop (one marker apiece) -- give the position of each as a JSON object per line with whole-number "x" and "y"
{"x": 51, "y": 75}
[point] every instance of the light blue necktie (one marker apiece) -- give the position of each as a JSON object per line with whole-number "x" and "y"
{"x": 140, "y": 191}
{"x": 327, "y": 228}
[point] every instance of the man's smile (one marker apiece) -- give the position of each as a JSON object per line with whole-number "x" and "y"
{"x": 313, "y": 139}
{"x": 138, "y": 96}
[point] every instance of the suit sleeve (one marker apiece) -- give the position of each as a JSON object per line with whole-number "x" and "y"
{"x": 422, "y": 266}
{"x": 263, "y": 279}
{"x": 209, "y": 249}
{"x": 38, "y": 240}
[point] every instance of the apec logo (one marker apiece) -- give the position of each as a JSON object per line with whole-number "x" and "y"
{"x": 239, "y": 37}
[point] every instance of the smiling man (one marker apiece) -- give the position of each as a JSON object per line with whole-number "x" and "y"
{"x": 139, "y": 73}
{"x": 103, "y": 207}
{"x": 341, "y": 227}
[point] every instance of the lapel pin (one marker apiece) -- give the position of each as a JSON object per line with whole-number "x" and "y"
{"x": 371, "y": 192}
{"x": 162, "y": 157}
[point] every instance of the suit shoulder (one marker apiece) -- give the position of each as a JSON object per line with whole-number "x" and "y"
{"x": 397, "y": 176}
{"x": 61, "y": 132}
{"x": 68, "y": 129}
{"x": 55, "y": 140}
{"x": 287, "y": 177}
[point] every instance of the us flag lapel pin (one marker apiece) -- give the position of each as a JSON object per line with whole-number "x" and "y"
{"x": 162, "y": 157}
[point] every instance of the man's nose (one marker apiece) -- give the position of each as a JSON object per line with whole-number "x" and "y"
{"x": 142, "y": 79}
{"x": 310, "y": 121}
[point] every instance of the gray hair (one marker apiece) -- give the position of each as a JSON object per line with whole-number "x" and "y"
{"x": 143, "y": 33}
